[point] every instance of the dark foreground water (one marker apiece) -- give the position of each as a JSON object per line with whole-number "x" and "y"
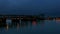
{"x": 28, "y": 27}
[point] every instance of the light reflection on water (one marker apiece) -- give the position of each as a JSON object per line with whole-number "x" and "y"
{"x": 33, "y": 26}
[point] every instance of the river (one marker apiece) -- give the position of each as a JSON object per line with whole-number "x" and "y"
{"x": 30, "y": 27}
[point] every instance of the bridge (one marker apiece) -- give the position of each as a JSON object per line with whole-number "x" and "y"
{"x": 18, "y": 18}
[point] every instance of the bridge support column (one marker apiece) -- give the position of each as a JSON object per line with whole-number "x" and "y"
{"x": 15, "y": 20}
{"x": 2, "y": 21}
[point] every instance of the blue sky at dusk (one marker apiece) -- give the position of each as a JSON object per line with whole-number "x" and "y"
{"x": 30, "y": 7}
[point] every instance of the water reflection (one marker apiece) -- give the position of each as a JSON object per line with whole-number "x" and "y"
{"x": 27, "y": 25}
{"x": 31, "y": 26}
{"x": 34, "y": 23}
{"x": 19, "y": 25}
{"x": 6, "y": 27}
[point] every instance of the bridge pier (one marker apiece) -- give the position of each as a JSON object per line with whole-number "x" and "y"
{"x": 15, "y": 20}
{"x": 2, "y": 21}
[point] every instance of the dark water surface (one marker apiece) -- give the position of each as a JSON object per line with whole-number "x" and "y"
{"x": 30, "y": 27}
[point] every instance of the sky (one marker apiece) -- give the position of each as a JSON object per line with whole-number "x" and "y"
{"x": 30, "y": 7}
